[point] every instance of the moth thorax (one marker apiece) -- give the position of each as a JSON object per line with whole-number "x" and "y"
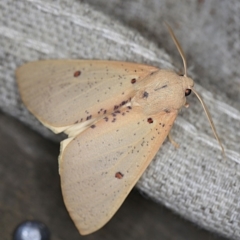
{"x": 163, "y": 91}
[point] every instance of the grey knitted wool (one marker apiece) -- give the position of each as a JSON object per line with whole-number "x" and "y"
{"x": 194, "y": 180}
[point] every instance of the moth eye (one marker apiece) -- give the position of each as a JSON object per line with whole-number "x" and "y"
{"x": 188, "y": 92}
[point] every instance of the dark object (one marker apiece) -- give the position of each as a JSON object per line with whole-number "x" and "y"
{"x": 31, "y": 230}
{"x": 187, "y": 92}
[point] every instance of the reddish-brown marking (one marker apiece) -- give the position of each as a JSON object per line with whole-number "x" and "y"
{"x": 77, "y": 74}
{"x": 89, "y": 117}
{"x": 150, "y": 120}
{"x": 123, "y": 103}
{"x": 166, "y": 110}
{"x": 145, "y": 94}
{"x": 133, "y": 80}
{"x": 119, "y": 175}
{"x": 93, "y": 126}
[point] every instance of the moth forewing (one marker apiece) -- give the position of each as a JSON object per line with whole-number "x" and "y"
{"x": 59, "y": 97}
{"x": 100, "y": 166}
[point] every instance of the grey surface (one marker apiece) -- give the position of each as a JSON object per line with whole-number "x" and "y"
{"x": 195, "y": 181}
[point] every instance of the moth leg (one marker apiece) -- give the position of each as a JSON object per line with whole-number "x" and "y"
{"x": 175, "y": 144}
{"x": 186, "y": 105}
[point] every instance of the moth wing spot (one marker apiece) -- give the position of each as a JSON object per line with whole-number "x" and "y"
{"x": 119, "y": 175}
{"x": 133, "y": 80}
{"x": 77, "y": 74}
{"x": 145, "y": 94}
{"x": 150, "y": 120}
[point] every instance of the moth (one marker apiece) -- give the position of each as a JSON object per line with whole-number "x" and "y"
{"x": 116, "y": 116}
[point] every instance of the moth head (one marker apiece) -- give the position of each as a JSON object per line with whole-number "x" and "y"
{"x": 187, "y": 85}
{"x": 164, "y": 91}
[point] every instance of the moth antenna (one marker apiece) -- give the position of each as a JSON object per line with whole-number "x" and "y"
{"x": 209, "y": 119}
{"x": 180, "y": 50}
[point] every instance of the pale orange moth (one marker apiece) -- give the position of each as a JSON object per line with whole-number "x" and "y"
{"x": 116, "y": 116}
